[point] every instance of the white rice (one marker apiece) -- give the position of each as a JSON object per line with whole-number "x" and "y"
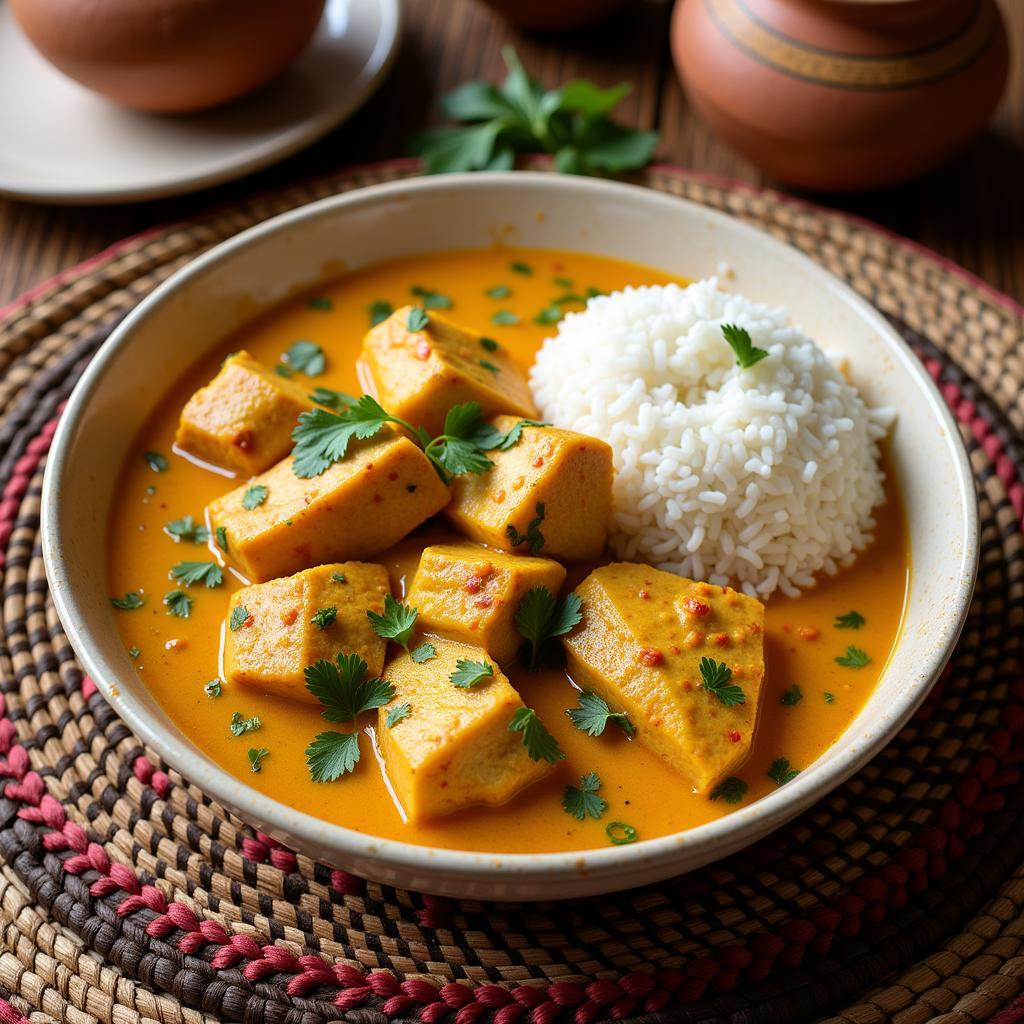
{"x": 758, "y": 478}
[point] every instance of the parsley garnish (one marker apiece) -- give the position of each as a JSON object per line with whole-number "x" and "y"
{"x": 332, "y": 754}
{"x": 417, "y": 320}
{"x": 829, "y": 697}
{"x": 186, "y": 528}
{"x": 254, "y": 496}
{"x": 322, "y": 303}
{"x": 240, "y": 726}
{"x": 396, "y": 714}
{"x": 431, "y": 299}
{"x": 539, "y": 743}
{"x": 214, "y": 688}
{"x": 581, "y": 800}
{"x": 747, "y": 354}
{"x": 239, "y": 617}
{"x": 423, "y": 653}
{"x": 324, "y": 617}
{"x": 533, "y": 537}
{"x": 468, "y": 673}
{"x": 504, "y": 318}
{"x": 853, "y": 658}
{"x": 850, "y": 620}
{"x": 780, "y": 772}
{"x": 593, "y": 715}
{"x": 156, "y": 462}
{"x": 339, "y": 577}
{"x": 178, "y": 603}
{"x": 132, "y": 600}
{"x": 499, "y": 291}
{"x": 572, "y": 123}
{"x": 540, "y": 618}
{"x": 715, "y": 677}
{"x": 619, "y": 833}
{"x": 792, "y": 696}
{"x": 342, "y": 688}
{"x": 548, "y": 315}
{"x": 731, "y": 790}
{"x": 256, "y": 756}
{"x": 133, "y": 652}
{"x": 306, "y": 357}
{"x": 379, "y": 310}
{"x": 208, "y": 573}
{"x": 221, "y": 534}
{"x": 489, "y": 366}
{"x": 396, "y": 623}
{"x": 336, "y": 400}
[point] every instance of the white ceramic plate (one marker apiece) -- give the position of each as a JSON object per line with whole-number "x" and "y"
{"x": 199, "y": 305}
{"x": 60, "y": 143}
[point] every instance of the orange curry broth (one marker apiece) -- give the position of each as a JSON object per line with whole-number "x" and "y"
{"x": 177, "y": 656}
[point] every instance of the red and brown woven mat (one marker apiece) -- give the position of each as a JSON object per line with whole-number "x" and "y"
{"x": 127, "y": 895}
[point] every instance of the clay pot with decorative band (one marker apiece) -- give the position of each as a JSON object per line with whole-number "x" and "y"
{"x": 842, "y": 94}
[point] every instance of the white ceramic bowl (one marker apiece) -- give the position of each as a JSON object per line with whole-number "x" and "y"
{"x": 200, "y": 304}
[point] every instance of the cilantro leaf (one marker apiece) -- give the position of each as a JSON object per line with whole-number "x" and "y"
{"x": 533, "y": 538}
{"x": 322, "y": 438}
{"x": 503, "y": 442}
{"x": 747, "y": 354}
{"x": 338, "y": 577}
{"x": 430, "y": 298}
{"x": 619, "y": 833}
{"x": 132, "y": 600}
{"x": 489, "y": 344}
{"x": 854, "y": 658}
{"x": 539, "y": 743}
{"x": 731, "y": 790}
{"x": 423, "y": 653}
{"x": 780, "y": 772}
{"x": 214, "y": 688}
{"x": 254, "y": 496}
{"x": 791, "y": 697}
{"x": 830, "y": 698}
{"x": 418, "y": 320}
{"x": 504, "y": 318}
{"x": 239, "y": 617}
{"x": 519, "y": 267}
{"x": 342, "y": 688}
{"x": 540, "y": 618}
{"x": 397, "y": 622}
{"x": 324, "y": 617}
{"x": 581, "y": 800}
{"x": 336, "y": 400}
{"x": 241, "y": 725}
{"x": 221, "y": 534}
{"x": 256, "y": 756}
{"x": 178, "y": 603}
{"x": 133, "y": 652}
{"x": 331, "y": 755}
{"x": 397, "y": 714}
{"x": 156, "y": 462}
{"x": 379, "y": 310}
{"x": 850, "y": 620}
{"x": 499, "y": 291}
{"x": 548, "y": 315}
{"x": 716, "y": 678}
{"x": 489, "y": 366}
{"x": 186, "y": 528}
{"x": 208, "y": 573}
{"x": 468, "y": 673}
{"x": 306, "y": 357}
{"x": 593, "y": 715}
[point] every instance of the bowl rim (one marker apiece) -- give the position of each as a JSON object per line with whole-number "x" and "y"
{"x": 717, "y": 837}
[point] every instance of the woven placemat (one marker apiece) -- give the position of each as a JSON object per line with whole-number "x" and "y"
{"x": 128, "y": 895}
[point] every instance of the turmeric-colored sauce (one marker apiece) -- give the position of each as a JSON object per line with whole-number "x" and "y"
{"x": 809, "y": 699}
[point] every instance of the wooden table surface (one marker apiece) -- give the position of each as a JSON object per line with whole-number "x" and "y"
{"x": 971, "y": 210}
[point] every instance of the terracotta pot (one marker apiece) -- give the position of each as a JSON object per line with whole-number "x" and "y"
{"x": 842, "y": 94}
{"x": 555, "y": 15}
{"x": 169, "y": 55}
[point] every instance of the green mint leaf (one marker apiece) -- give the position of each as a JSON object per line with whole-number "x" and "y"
{"x": 423, "y": 653}
{"x": 186, "y": 528}
{"x": 592, "y": 716}
{"x": 396, "y": 714}
{"x": 716, "y": 678}
{"x": 254, "y": 496}
{"x": 208, "y": 573}
{"x": 306, "y": 357}
{"x": 324, "y": 617}
{"x": 430, "y": 298}
{"x": 850, "y": 620}
{"x": 239, "y": 617}
{"x": 468, "y": 673}
{"x": 417, "y": 320}
{"x": 396, "y": 623}
{"x": 331, "y": 755}
{"x": 240, "y": 725}
{"x": 379, "y": 310}
{"x": 342, "y": 688}
{"x": 533, "y": 538}
{"x": 731, "y": 790}
{"x": 791, "y": 697}
{"x": 780, "y": 771}
{"x": 156, "y": 462}
{"x": 178, "y": 603}
{"x": 539, "y": 743}
{"x": 620, "y": 834}
{"x": 747, "y": 354}
{"x": 853, "y": 658}
{"x": 256, "y": 756}
{"x": 582, "y": 800}
{"x": 132, "y": 600}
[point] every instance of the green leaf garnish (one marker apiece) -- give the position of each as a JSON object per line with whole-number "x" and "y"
{"x": 423, "y": 653}
{"x": 379, "y": 310}
{"x": 620, "y": 834}
{"x": 254, "y": 496}
{"x": 489, "y": 366}
{"x": 592, "y": 715}
{"x": 582, "y": 800}
{"x": 396, "y": 623}
{"x": 747, "y": 354}
{"x": 850, "y": 620}
{"x": 178, "y": 603}
{"x": 396, "y": 714}
{"x": 715, "y": 677}
{"x": 431, "y": 299}
{"x": 853, "y": 658}
{"x": 519, "y": 267}
{"x": 156, "y": 462}
{"x": 132, "y": 600}
{"x": 214, "y": 688}
{"x": 186, "y": 528}
{"x": 499, "y": 291}
{"x": 208, "y": 573}
{"x": 540, "y": 618}
{"x": 539, "y": 743}
{"x": 133, "y": 652}
{"x": 239, "y": 617}
{"x": 504, "y": 318}
{"x": 241, "y": 725}
{"x": 562, "y": 282}
{"x": 417, "y": 320}
{"x": 306, "y": 357}
{"x": 548, "y": 315}
{"x": 283, "y": 370}
{"x": 322, "y": 303}
{"x": 338, "y": 577}
{"x": 331, "y": 755}
{"x": 468, "y": 673}
{"x": 336, "y": 400}
{"x": 256, "y": 756}
{"x": 533, "y": 537}
{"x": 342, "y": 688}
{"x": 731, "y": 790}
{"x": 780, "y": 772}
{"x": 489, "y": 344}
{"x": 791, "y": 697}
{"x": 324, "y": 617}
{"x": 829, "y": 698}
{"x": 221, "y": 534}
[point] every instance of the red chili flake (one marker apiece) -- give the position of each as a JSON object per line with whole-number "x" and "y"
{"x": 674, "y": 648}
{"x": 368, "y": 467}
{"x": 734, "y": 735}
{"x": 720, "y": 639}
{"x": 698, "y": 609}
{"x": 248, "y": 622}
{"x": 651, "y": 656}
{"x": 392, "y": 476}
{"x": 245, "y": 439}
{"x": 644, "y": 595}
{"x": 473, "y": 585}
{"x": 423, "y": 349}
{"x": 538, "y": 462}
{"x": 483, "y": 602}
{"x": 288, "y": 617}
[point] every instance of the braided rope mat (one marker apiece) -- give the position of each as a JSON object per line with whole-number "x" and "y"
{"x": 127, "y": 895}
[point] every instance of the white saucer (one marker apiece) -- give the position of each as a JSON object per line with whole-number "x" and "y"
{"x": 61, "y": 143}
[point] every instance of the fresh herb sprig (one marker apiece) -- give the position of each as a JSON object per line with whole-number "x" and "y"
{"x": 716, "y": 678}
{"x": 747, "y": 353}
{"x": 209, "y": 574}
{"x": 468, "y": 673}
{"x": 539, "y": 743}
{"x": 540, "y": 618}
{"x": 855, "y": 657}
{"x": 582, "y": 800}
{"x": 593, "y": 715}
{"x": 572, "y": 123}
{"x": 395, "y": 623}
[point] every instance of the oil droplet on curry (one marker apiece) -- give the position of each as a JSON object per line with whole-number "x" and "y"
{"x": 824, "y": 651}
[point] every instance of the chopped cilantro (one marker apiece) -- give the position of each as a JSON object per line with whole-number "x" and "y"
{"x": 533, "y": 537}
{"x": 221, "y": 534}
{"x": 417, "y": 320}
{"x": 716, "y": 678}
{"x": 582, "y": 800}
{"x": 306, "y": 357}
{"x": 562, "y": 282}
{"x": 539, "y": 743}
{"x": 132, "y": 600}
{"x": 504, "y": 318}
{"x": 156, "y": 462}
{"x": 397, "y": 622}
{"x": 178, "y": 603}
{"x": 829, "y": 697}
{"x": 379, "y": 310}
{"x": 540, "y": 618}
{"x": 186, "y": 528}
{"x": 254, "y": 496}
{"x": 256, "y": 756}
{"x": 431, "y": 299}
{"x": 489, "y": 366}
{"x": 342, "y": 688}
{"x": 468, "y": 673}
{"x": 780, "y": 772}
{"x": 548, "y": 315}
{"x": 241, "y": 725}
{"x": 731, "y": 790}
{"x": 396, "y": 714}
{"x": 593, "y": 715}
{"x": 853, "y": 658}
{"x": 332, "y": 754}
{"x": 747, "y": 354}
{"x": 336, "y": 400}
{"x": 339, "y": 577}
{"x": 489, "y": 344}
{"x": 189, "y": 573}
{"x": 519, "y": 267}
{"x": 283, "y": 370}
{"x": 620, "y": 834}
{"x": 792, "y": 696}
{"x": 498, "y": 291}
{"x": 214, "y": 688}
{"x": 324, "y": 617}
{"x": 133, "y": 652}
{"x": 850, "y": 620}
{"x": 423, "y": 653}
{"x": 239, "y": 617}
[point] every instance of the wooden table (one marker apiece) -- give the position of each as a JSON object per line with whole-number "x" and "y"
{"x": 972, "y": 210}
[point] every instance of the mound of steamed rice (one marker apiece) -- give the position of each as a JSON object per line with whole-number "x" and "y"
{"x": 758, "y": 478}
